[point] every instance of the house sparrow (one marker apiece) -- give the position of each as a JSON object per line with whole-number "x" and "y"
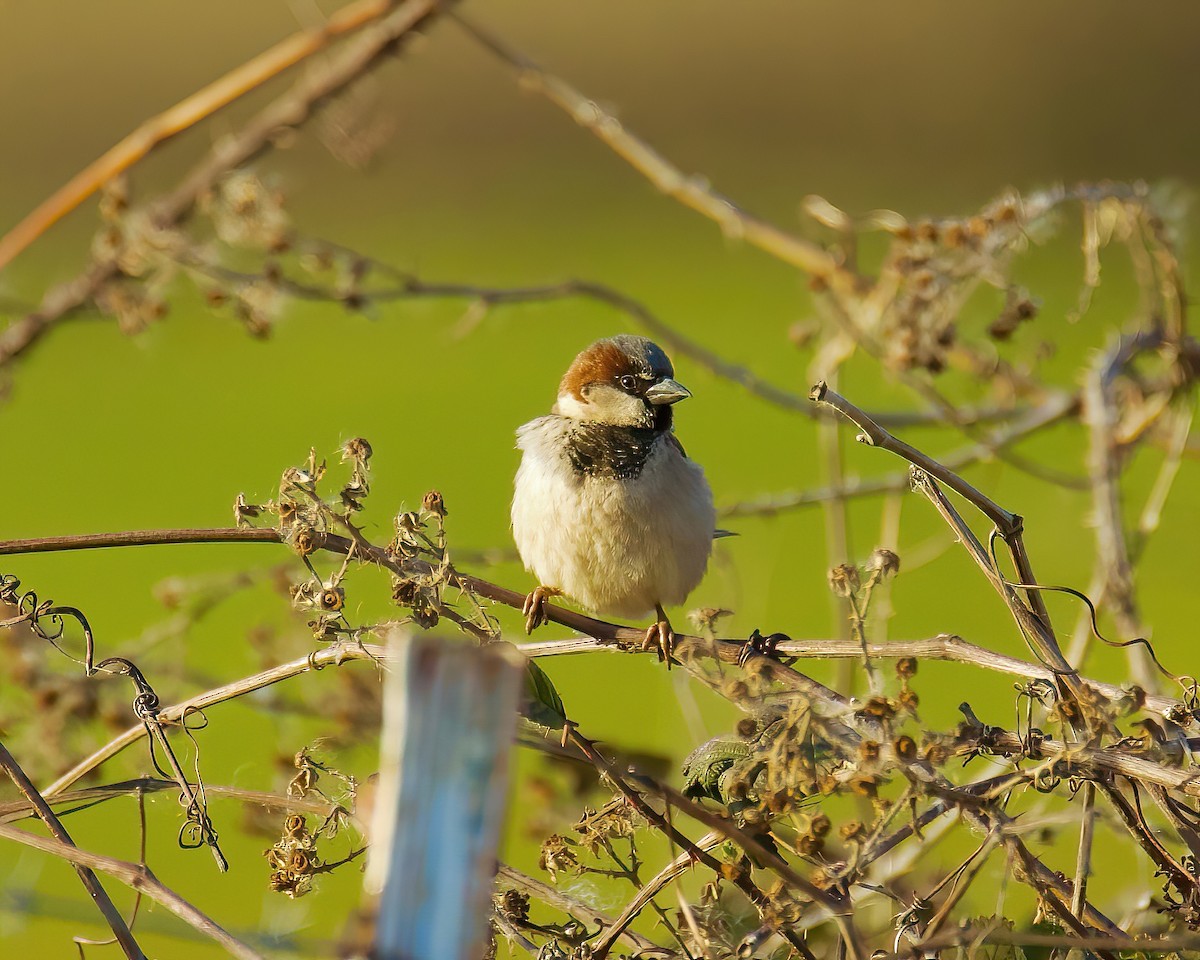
{"x": 608, "y": 508}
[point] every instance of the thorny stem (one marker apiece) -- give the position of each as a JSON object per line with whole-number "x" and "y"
{"x": 91, "y": 882}
{"x": 1030, "y": 868}
{"x": 600, "y": 633}
{"x": 741, "y": 879}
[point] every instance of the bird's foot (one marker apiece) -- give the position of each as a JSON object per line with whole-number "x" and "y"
{"x": 760, "y": 645}
{"x": 660, "y": 637}
{"x": 534, "y": 607}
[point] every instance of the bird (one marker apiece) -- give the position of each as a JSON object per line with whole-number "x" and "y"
{"x": 608, "y": 509}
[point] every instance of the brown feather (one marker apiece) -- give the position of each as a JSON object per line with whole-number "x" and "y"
{"x": 602, "y": 362}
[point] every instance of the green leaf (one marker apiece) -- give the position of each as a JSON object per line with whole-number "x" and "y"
{"x": 543, "y": 706}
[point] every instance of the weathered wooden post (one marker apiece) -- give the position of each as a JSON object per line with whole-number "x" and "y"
{"x": 449, "y": 718}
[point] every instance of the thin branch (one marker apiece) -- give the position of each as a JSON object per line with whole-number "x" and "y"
{"x": 91, "y": 882}
{"x": 1083, "y": 862}
{"x": 187, "y": 113}
{"x": 139, "y": 878}
{"x": 358, "y": 56}
{"x": 692, "y": 192}
{"x": 139, "y": 538}
{"x": 1035, "y": 420}
{"x": 90, "y": 796}
{"x": 334, "y": 655}
{"x": 649, "y": 890}
{"x": 577, "y": 908}
{"x": 1034, "y": 619}
{"x": 874, "y": 435}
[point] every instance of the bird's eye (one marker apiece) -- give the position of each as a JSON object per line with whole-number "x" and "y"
{"x": 628, "y": 383}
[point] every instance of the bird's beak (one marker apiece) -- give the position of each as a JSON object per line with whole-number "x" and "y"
{"x": 667, "y": 391}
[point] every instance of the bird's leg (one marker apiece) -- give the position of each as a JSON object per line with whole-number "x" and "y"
{"x": 534, "y": 606}
{"x": 660, "y": 636}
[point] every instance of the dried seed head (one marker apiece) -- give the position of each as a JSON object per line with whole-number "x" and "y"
{"x": 513, "y": 905}
{"x": 844, "y": 580}
{"x": 907, "y": 700}
{"x": 300, "y": 862}
{"x": 906, "y": 668}
{"x": 731, "y": 871}
{"x": 433, "y": 503}
{"x": 928, "y": 231}
{"x": 281, "y": 881}
{"x": 879, "y": 707}
{"x": 407, "y": 523}
{"x": 936, "y": 753}
{"x": 852, "y": 831}
{"x": 406, "y": 593}
{"x": 1068, "y": 710}
{"x": 332, "y": 599}
{"x": 868, "y": 751}
{"x": 303, "y": 541}
{"x": 905, "y": 747}
{"x": 954, "y": 235}
{"x": 884, "y": 562}
{"x": 746, "y": 728}
{"x": 819, "y": 825}
{"x": 779, "y": 801}
{"x": 863, "y": 785}
{"x": 357, "y": 450}
{"x": 808, "y": 845}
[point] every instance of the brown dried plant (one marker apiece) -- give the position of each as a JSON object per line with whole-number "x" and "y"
{"x": 812, "y": 828}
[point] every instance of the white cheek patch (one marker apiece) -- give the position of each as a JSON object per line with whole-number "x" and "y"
{"x": 568, "y": 406}
{"x": 605, "y": 404}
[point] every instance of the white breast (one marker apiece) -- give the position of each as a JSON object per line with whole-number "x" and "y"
{"x": 618, "y": 547}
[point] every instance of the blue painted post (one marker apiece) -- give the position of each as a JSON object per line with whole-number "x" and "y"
{"x": 449, "y": 719}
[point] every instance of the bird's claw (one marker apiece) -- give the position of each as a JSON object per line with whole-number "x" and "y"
{"x": 660, "y": 638}
{"x": 534, "y": 607}
{"x": 760, "y": 645}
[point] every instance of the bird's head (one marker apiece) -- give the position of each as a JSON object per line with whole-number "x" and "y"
{"x": 625, "y": 381}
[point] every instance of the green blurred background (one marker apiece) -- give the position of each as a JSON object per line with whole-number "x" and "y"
{"x": 927, "y": 108}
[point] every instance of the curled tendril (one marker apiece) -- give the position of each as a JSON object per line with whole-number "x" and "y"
{"x": 1188, "y": 683}
{"x": 46, "y": 620}
{"x": 197, "y": 829}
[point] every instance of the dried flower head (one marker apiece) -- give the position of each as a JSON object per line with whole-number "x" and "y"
{"x": 844, "y": 580}
{"x": 883, "y": 562}
{"x": 433, "y": 503}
